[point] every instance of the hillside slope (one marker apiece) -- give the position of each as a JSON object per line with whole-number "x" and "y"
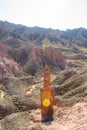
{"x": 17, "y": 39}
{"x": 23, "y": 53}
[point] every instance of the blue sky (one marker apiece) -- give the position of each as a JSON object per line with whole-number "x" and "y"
{"x": 57, "y": 14}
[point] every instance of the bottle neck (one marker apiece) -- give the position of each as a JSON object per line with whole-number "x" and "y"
{"x": 47, "y": 77}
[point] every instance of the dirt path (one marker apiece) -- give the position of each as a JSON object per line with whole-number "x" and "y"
{"x": 39, "y": 85}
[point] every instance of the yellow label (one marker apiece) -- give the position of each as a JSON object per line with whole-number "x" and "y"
{"x": 46, "y": 102}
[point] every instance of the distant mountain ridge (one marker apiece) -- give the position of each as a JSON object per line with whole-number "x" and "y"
{"x": 10, "y": 33}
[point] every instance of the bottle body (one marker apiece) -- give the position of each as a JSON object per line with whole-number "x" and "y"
{"x": 47, "y": 97}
